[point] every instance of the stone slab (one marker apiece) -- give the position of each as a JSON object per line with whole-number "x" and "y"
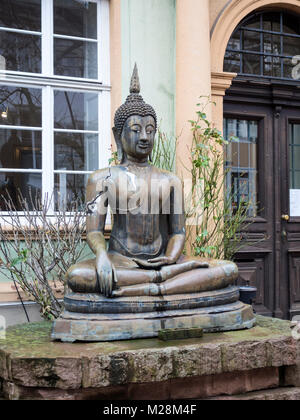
{"x": 98, "y": 304}
{"x": 29, "y": 360}
{"x": 71, "y": 327}
{"x": 279, "y": 394}
{"x": 199, "y": 387}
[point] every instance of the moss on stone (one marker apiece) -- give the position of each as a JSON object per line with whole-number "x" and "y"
{"x": 33, "y": 339}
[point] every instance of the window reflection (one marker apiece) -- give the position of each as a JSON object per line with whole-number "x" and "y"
{"x": 76, "y": 151}
{"x": 75, "y": 110}
{"x": 69, "y": 188}
{"x": 20, "y": 106}
{"x": 21, "y": 14}
{"x": 20, "y": 149}
{"x": 75, "y": 58}
{"x": 75, "y": 18}
{"x": 21, "y": 52}
{"x": 241, "y": 163}
{"x": 12, "y": 184}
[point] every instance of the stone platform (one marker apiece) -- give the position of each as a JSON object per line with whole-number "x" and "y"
{"x": 260, "y": 363}
{"x": 92, "y": 317}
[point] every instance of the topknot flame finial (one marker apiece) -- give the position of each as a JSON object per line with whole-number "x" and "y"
{"x": 135, "y": 86}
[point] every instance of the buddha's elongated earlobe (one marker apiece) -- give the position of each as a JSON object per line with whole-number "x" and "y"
{"x": 150, "y": 158}
{"x": 120, "y": 151}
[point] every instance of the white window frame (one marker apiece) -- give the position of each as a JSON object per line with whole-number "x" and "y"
{"x": 49, "y": 82}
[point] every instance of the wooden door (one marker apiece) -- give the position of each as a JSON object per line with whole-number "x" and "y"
{"x": 268, "y": 115}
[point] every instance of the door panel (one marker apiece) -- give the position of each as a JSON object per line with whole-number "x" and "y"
{"x": 290, "y": 193}
{"x": 271, "y": 258}
{"x": 255, "y": 261}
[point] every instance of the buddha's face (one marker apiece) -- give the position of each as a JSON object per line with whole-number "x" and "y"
{"x": 138, "y": 136}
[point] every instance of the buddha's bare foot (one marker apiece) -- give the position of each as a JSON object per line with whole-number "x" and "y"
{"x": 149, "y": 289}
{"x": 169, "y": 271}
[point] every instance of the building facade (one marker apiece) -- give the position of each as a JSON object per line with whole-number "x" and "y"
{"x": 66, "y": 67}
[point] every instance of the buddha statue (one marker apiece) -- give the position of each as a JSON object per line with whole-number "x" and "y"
{"x": 142, "y": 270}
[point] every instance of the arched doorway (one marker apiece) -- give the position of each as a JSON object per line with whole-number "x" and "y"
{"x": 262, "y": 116}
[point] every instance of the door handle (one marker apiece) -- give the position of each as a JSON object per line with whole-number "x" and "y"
{"x": 285, "y": 217}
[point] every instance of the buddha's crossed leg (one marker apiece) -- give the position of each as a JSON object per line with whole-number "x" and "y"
{"x": 83, "y": 278}
{"x": 185, "y": 277}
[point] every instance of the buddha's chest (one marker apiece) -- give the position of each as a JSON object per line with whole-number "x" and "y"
{"x": 139, "y": 192}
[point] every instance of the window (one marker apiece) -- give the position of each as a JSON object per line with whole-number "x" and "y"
{"x": 241, "y": 162}
{"x": 264, "y": 45}
{"x": 54, "y": 97}
{"x": 294, "y": 146}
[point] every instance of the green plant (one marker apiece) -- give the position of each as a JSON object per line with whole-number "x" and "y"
{"x": 214, "y": 228}
{"x": 37, "y": 248}
{"x": 164, "y": 152}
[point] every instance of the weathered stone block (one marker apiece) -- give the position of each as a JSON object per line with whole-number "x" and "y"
{"x": 224, "y": 384}
{"x": 197, "y": 361}
{"x": 64, "y": 373}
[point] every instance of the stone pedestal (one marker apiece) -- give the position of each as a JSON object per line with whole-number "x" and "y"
{"x": 259, "y": 363}
{"x": 92, "y": 317}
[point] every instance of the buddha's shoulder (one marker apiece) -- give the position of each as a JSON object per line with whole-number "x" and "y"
{"x": 170, "y": 176}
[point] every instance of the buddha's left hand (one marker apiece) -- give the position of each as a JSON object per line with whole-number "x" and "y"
{"x": 155, "y": 262}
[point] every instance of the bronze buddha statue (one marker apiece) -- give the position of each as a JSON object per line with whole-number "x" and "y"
{"x": 144, "y": 255}
{"x": 142, "y": 280}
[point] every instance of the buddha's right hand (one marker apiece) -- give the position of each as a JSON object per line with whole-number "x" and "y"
{"x": 106, "y": 273}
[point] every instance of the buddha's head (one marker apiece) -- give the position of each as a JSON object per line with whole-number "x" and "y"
{"x": 135, "y": 125}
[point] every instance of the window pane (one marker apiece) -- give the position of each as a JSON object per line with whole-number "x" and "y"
{"x": 253, "y": 22}
{"x": 75, "y": 58}
{"x": 20, "y": 106}
{"x": 21, "y": 52}
{"x": 241, "y": 162}
{"x": 235, "y": 41}
{"x": 75, "y": 18}
{"x": 20, "y": 149}
{"x": 296, "y": 157}
{"x": 29, "y": 185}
{"x": 244, "y": 155}
{"x": 21, "y": 14}
{"x": 243, "y": 130}
{"x": 294, "y": 141}
{"x": 76, "y": 152}
{"x": 272, "y": 66}
{"x": 291, "y": 46}
{"x": 69, "y": 188}
{"x": 251, "y": 64}
{"x": 75, "y": 110}
{"x": 272, "y": 44}
{"x": 232, "y": 62}
{"x": 295, "y": 132}
{"x": 291, "y": 24}
{"x": 271, "y": 22}
{"x": 251, "y": 41}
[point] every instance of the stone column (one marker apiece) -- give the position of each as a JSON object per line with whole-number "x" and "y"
{"x": 193, "y": 71}
{"x": 220, "y": 82}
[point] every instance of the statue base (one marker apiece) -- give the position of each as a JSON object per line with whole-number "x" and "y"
{"x": 143, "y": 317}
